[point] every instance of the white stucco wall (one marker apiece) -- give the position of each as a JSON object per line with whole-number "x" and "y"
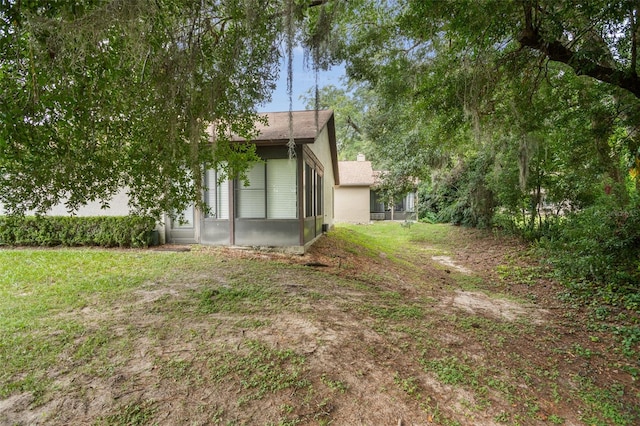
{"x": 352, "y": 204}
{"x": 118, "y": 206}
{"x": 321, "y": 149}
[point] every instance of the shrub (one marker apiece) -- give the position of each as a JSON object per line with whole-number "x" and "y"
{"x": 459, "y": 194}
{"x": 50, "y": 231}
{"x": 597, "y": 250}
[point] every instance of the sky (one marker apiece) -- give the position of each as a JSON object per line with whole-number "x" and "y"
{"x": 303, "y": 80}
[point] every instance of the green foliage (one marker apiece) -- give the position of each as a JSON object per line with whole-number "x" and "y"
{"x": 98, "y": 96}
{"x": 597, "y": 251}
{"x": 51, "y": 231}
{"x": 460, "y": 194}
{"x": 133, "y": 414}
{"x": 350, "y": 109}
{"x": 604, "y": 406}
{"x": 493, "y": 112}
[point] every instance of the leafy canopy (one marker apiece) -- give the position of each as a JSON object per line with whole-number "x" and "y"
{"x": 99, "y": 95}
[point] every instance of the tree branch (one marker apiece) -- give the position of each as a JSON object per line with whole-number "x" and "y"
{"x": 556, "y": 51}
{"x": 353, "y": 125}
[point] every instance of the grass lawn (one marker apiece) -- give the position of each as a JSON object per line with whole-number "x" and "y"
{"x": 380, "y": 324}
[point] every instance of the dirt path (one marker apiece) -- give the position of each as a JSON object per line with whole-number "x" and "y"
{"x": 340, "y": 337}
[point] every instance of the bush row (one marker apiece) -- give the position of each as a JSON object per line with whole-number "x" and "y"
{"x": 50, "y": 231}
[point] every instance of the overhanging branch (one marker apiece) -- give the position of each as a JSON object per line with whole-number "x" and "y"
{"x": 556, "y": 51}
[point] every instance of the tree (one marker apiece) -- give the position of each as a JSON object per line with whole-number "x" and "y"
{"x": 350, "y": 109}
{"x": 100, "y": 95}
{"x": 596, "y": 38}
{"x": 452, "y": 80}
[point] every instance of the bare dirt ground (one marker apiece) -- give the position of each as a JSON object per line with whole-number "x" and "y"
{"x": 470, "y": 337}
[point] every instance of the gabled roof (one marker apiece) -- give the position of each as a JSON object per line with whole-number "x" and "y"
{"x": 355, "y": 173}
{"x": 305, "y": 127}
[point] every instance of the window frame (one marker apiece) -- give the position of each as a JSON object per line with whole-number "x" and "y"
{"x": 220, "y": 208}
{"x": 267, "y": 213}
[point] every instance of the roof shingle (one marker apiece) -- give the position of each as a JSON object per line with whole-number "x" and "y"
{"x": 355, "y": 173}
{"x": 305, "y": 126}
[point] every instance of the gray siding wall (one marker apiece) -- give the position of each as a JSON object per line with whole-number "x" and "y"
{"x": 215, "y": 232}
{"x": 268, "y": 233}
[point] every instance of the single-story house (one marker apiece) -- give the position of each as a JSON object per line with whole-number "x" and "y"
{"x": 402, "y": 209}
{"x": 288, "y": 201}
{"x": 357, "y": 199}
{"x": 353, "y": 195}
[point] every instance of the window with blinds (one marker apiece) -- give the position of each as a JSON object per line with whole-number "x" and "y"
{"x": 282, "y": 194}
{"x": 216, "y": 196}
{"x": 251, "y": 198}
{"x": 272, "y": 191}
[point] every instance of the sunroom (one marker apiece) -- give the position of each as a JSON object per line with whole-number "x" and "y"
{"x": 288, "y": 200}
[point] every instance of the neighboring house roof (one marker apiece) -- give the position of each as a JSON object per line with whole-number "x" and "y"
{"x": 377, "y": 177}
{"x": 355, "y": 173}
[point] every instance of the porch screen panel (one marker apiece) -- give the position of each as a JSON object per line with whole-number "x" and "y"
{"x": 251, "y": 198}
{"x": 308, "y": 191}
{"x": 184, "y": 219}
{"x": 223, "y": 199}
{"x": 319, "y": 193}
{"x": 210, "y": 195}
{"x": 410, "y": 202}
{"x": 282, "y": 197}
{"x": 217, "y": 195}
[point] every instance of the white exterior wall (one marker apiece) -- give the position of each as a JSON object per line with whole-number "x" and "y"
{"x": 118, "y": 206}
{"x": 321, "y": 149}
{"x": 352, "y": 204}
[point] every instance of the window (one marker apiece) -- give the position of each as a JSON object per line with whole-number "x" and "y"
{"x": 282, "y": 194}
{"x": 184, "y": 219}
{"x": 252, "y": 197}
{"x": 272, "y": 191}
{"x": 217, "y": 196}
{"x": 313, "y": 192}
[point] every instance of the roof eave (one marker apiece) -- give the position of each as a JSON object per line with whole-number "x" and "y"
{"x": 273, "y": 142}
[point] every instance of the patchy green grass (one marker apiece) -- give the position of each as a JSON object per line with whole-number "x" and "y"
{"x": 41, "y": 289}
{"x": 393, "y": 239}
{"x": 217, "y": 337}
{"x": 261, "y": 370}
{"x": 134, "y": 414}
{"x": 604, "y": 405}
